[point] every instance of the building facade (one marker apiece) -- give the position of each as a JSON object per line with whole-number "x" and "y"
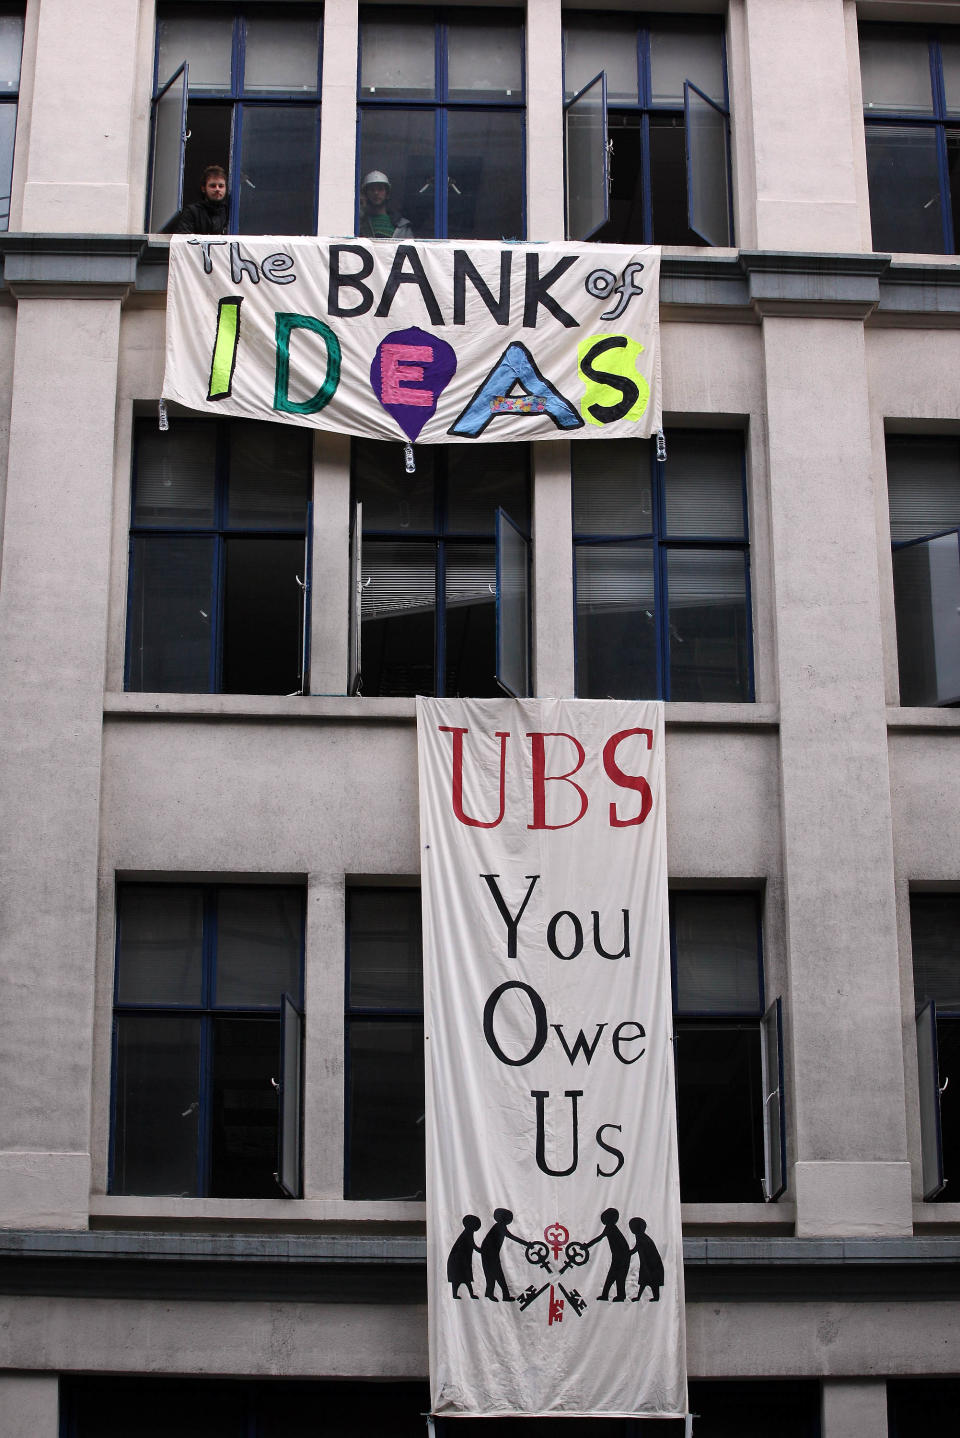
{"x": 206, "y": 809}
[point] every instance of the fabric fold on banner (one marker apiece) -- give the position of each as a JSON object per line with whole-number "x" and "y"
{"x": 432, "y": 342}
{"x": 555, "y": 1257}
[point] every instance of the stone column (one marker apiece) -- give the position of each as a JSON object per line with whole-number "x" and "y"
{"x": 853, "y": 1408}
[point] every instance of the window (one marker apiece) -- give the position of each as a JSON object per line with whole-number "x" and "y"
{"x": 667, "y": 129}
{"x": 238, "y": 86}
{"x": 923, "y": 486}
{"x": 11, "y": 47}
{"x": 662, "y": 569}
{"x": 441, "y": 114}
{"x": 218, "y": 561}
{"x": 729, "y": 1068}
{"x": 917, "y": 1407}
{"x": 384, "y": 1035}
{"x": 444, "y": 603}
{"x": 935, "y": 933}
{"x": 911, "y": 100}
{"x": 206, "y": 1009}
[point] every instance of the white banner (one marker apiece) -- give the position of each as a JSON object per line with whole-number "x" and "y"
{"x": 555, "y": 1258}
{"x": 434, "y": 341}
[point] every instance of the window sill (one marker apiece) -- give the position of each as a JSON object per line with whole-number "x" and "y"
{"x": 916, "y": 719}
{"x": 935, "y": 1217}
{"x": 702, "y": 1219}
{"x": 134, "y": 1209}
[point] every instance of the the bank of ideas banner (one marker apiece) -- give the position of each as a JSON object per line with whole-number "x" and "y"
{"x": 436, "y": 342}
{"x": 555, "y": 1260}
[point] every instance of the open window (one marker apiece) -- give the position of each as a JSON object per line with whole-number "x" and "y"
{"x": 513, "y": 607}
{"x": 935, "y": 935}
{"x": 587, "y": 173}
{"x": 290, "y": 1095}
{"x": 708, "y": 168}
{"x": 169, "y": 148}
{"x": 774, "y": 1124}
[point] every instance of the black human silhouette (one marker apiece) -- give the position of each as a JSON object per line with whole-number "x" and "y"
{"x": 650, "y": 1273}
{"x": 460, "y": 1257}
{"x": 490, "y": 1255}
{"x": 620, "y": 1252}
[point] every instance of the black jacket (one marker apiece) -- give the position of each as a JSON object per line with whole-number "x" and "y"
{"x": 203, "y": 217}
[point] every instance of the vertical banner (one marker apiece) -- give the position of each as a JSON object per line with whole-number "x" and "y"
{"x": 553, "y": 1208}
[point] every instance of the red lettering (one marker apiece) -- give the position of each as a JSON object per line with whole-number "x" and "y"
{"x": 627, "y": 781}
{"x": 457, "y": 779}
{"x": 541, "y": 778}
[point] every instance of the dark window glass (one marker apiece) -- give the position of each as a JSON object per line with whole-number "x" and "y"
{"x": 428, "y": 607}
{"x": 217, "y": 551}
{"x": 917, "y": 1407}
{"x": 384, "y": 1031}
{"x": 455, "y": 168}
{"x": 253, "y": 107}
{"x": 11, "y": 48}
{"x": 935, "y": 937}
{"x": 200, "y": 972}
{"x": 923, "y": 487}
{"x": 661, "y": 568}
{"x": 646, "y": 65}
{"x": 718, "y": 1000}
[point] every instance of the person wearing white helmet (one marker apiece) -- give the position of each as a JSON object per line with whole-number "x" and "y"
{"x": 376, "y": 221}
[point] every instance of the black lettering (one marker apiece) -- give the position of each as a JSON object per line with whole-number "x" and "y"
{"x": 580, "y": 1043}
{"x": 540, "y": 1017}
{"x": 353, "y": 280}
{"x": 407, "y": 255}
{"x": 540, "y": 1095}
{"x": 577, "y": 934}
{"x": 618, "y": 1037}
{"x": 625, "y": 951}
{"x": 511, "y": 922}
{"x": 537, "y": 293}
{"x": 608, "y": 1148}
{"x": 464, "y": 269}
{"x": 607, "y": 413}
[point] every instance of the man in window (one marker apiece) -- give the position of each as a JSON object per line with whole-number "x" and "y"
{"x": 208, "y": 216}
{"x": 376, "y": 221}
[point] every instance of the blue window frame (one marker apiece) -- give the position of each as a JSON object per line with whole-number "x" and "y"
{"x": 253, "y": 107}
{"x": 11, "y": 49}
{"x": 198, "y": 1065}
{"x": 668, "y": 120}
{"x": 384, "y": 1149}
{"x": 218, "y": 558}
{"x": 428, "y": 568}
{"x": 911, "y": 99}
{"x": 661, "y": 569}
{"x": 441, "y": 114}
{"x": 923, "y": 488}
{"x": 935, "y": 936}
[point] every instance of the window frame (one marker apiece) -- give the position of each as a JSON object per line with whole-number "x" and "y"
{"x": 934, "y": 1015}
{"x": 237, "y": 97}
{"x": 207, "y": 1011}
{"x": 661, "y": 544}
{"x": 12, "y": 98}
{"x": 939, "y": 117}
{"x": 647, "y": 107}
{"x": 441, "y": 106}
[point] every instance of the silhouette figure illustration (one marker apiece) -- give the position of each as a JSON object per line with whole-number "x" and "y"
{"x": 460, "y": 1258}
{"x": 620, "y": 1252}
{"x": 650, "y": 1273}
{"x": 490, "y": 1255}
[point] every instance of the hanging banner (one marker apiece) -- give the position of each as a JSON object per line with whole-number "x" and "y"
{"x": 436, "y": 342}
{"x": 555, "y": 1257}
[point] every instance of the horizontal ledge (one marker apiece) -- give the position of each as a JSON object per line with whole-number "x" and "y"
{"x": 916, "y": 720}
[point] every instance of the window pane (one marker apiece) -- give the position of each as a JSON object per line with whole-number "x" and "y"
{"x": 513, "y": 607}
{"x": 157, "y": 1105}
{"x": 707, "y": 603}
{"x": 703, "y": 484}
{"x": 281, "y": 53}
{"x": 270, "y": 472}
{"x": 171, "y": 615}
{"x": 261, "y": 616}
{"x": 935, "y": 933}
{"x": 11, "y": 46}
{"x": 204, "y": 41}
{"x": 484, "y": 175}
{"x": 950, "y": 52}
{"x": 904, "y": 189}
{"x": 719, "y": 1113}
{"x": 718, "y": 956}
{"x": 175, "y": 475}
{"x": 258, "y": 946}
{"x": 926, "y": 593}
{"x": 604, "y": 42}
{"x": 923, "y": 485}
{"x": 391, "y": 498}
{"x": 625, "y": 226}
{"x": 482, "y": 479}
{"x": 484, "y": 56}
{"x": 167, "y": 157}
{"x": 708, "y": 212}
{"x": 668, "y": 179}
{"x": 471, "y": 620}
{"x": 397, "y": 60}
{"x": 385, "y": 1103}
{"x": 948, "y": 1053}
{"x": 386, "y": 965}
{"x": 160, "y": 950}
{"x": 611, "y": 487}
{"x": 895, "y": 71}
{"x": 244, "y": 1108}
{"x": 397, "y": 616}
{"x": 278, "y": 170}
{"x": 678, "y": 53}
{"x": 616, "y": 629}
{"x": 8, "y": 131}
{"x": 401, "y": 144}
{"x": 586, "y": 173}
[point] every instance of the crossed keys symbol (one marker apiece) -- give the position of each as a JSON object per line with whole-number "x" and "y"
{"x": 556, "y": 1236}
